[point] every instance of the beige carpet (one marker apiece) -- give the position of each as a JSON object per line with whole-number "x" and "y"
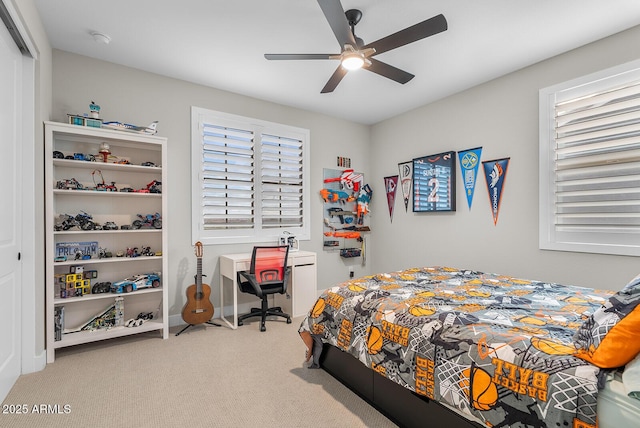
{"x": 206, "y": 377}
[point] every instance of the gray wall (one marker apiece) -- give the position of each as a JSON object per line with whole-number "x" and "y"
{"x": 502, "y": 117}
{"x": 134, "y": 96}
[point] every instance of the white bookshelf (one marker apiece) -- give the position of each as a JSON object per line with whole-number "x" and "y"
{"x": 122, "y": 208}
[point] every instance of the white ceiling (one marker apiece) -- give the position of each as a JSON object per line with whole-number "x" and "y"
{"x": 221, "y": 43}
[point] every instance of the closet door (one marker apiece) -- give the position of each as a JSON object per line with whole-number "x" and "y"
{"x": 10, "y": 214}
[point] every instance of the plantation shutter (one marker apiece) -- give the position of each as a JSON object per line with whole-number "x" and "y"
{"x": 597, "y": 166}
{"x": 281, "y": 176}
{"x": 227, "y": 178}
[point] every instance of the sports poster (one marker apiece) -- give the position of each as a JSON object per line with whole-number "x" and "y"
{"x": 469, "y": 163}
{"x": 434, "y": 183}
{"x": 390, "y": 186}
{"x": 406, "y": 176}
{"x": 495, "y": 172}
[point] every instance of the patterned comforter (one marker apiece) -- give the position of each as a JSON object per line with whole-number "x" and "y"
{"x": 493, "y": 347}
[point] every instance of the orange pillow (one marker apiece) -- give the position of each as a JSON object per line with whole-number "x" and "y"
{"x": 611, "y": 336}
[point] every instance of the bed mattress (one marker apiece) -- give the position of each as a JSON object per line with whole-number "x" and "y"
{"x": 496, "y": 349}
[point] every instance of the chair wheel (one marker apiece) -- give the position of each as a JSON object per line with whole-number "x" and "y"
{"x": 288, "y": 320}
{"x": 240, "y": 323}
{"x": 263, "y": 328}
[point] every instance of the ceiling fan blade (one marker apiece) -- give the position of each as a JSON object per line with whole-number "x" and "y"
{"x": 389, "y": 71}
{"x": 334, "y": 13}
{"x": 336, "y": 77}
{"x": 416, "y": 32}
{"x": 299, "y": 56}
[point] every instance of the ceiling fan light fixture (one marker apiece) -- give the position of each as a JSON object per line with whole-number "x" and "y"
{"x": 352, "y": 61}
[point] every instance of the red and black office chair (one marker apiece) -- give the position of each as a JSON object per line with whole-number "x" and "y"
{"x": 268, "y": 274}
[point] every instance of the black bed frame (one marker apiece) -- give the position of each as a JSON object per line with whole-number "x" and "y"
{"x": 402, "y": 406}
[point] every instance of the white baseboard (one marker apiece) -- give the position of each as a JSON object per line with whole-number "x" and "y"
{"x": 34, "y": 364}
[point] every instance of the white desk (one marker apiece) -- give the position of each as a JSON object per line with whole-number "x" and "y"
{"x": 301, "y": 291}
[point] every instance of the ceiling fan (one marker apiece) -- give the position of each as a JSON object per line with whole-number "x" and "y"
{"x": 355, "y": 53}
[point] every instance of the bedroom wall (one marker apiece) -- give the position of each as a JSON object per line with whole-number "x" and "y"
{"x": 502, "y": 117}
{"x": 134, "y": 96}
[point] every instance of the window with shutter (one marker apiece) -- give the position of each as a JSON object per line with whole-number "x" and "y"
{"x": 249, "y": 179}
{"x": 590, "y": 163}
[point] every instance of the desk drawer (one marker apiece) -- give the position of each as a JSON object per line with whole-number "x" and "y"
{"x": 302, "y": 260}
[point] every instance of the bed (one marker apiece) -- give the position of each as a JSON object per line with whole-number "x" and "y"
{"x": 464, "y": 348}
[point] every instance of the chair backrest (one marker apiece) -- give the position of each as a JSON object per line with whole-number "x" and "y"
{"x": 268, "y": 263}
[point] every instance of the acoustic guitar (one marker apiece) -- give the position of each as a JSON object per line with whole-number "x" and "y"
{"x": 198, "y": 309}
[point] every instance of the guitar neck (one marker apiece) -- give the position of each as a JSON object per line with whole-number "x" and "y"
{"x": 199, "y": 276}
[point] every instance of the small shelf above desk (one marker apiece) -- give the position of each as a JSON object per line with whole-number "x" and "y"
{"x": 301, "y": 292}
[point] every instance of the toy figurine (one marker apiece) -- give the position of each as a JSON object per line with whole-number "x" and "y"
{"x": 94, "y": 110}
{"x": 104, "y": 151}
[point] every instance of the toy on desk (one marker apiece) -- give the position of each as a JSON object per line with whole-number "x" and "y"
{"x": 286, "y": 238}
{"x": 348, "y": 180}
{"x": 336, "y": 196}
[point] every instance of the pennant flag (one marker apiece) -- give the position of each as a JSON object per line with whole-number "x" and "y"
{"x": 495, "y": 172}
{"x": 469, "y": 163}
{"x": 406, "y": 181}
{"x": 390, "y": 186}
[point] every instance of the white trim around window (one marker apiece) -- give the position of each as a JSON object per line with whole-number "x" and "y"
{"x": 590, "y": 163}
{"x": 250, "y": 179}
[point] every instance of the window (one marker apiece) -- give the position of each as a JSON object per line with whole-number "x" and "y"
{"x": 249, "y": 180}
{"x": 590, "y": 163}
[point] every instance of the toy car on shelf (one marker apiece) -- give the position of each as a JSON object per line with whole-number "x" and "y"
{"x": 154, "y": 187}
{"x": 66, "y": 222}
{"x": 86, "y": 221}
{"x": 136, "y": 282}
{"x": 69, "y": 184}
{"x": 103, "y": 253}
{"x": 83, "y": 157}
{"x": 101, "y": 185}
{"x": 109, "y": 225}
{"x": 149, "y": 221}
{"x": 101, "y": 287}
{"x": 146, "y": 251}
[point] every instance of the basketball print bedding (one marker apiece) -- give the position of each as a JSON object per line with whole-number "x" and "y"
{"x": 499, "y": 350}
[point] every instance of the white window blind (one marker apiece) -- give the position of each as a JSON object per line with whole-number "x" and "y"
{"x": 590, "y": 180}
{"x": 282, "y": 184}
{"x": 249, "y": 179}
{"x": 227, "y": 177}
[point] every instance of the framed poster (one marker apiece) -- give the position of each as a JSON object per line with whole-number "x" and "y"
{"x": 434, "y": 183}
